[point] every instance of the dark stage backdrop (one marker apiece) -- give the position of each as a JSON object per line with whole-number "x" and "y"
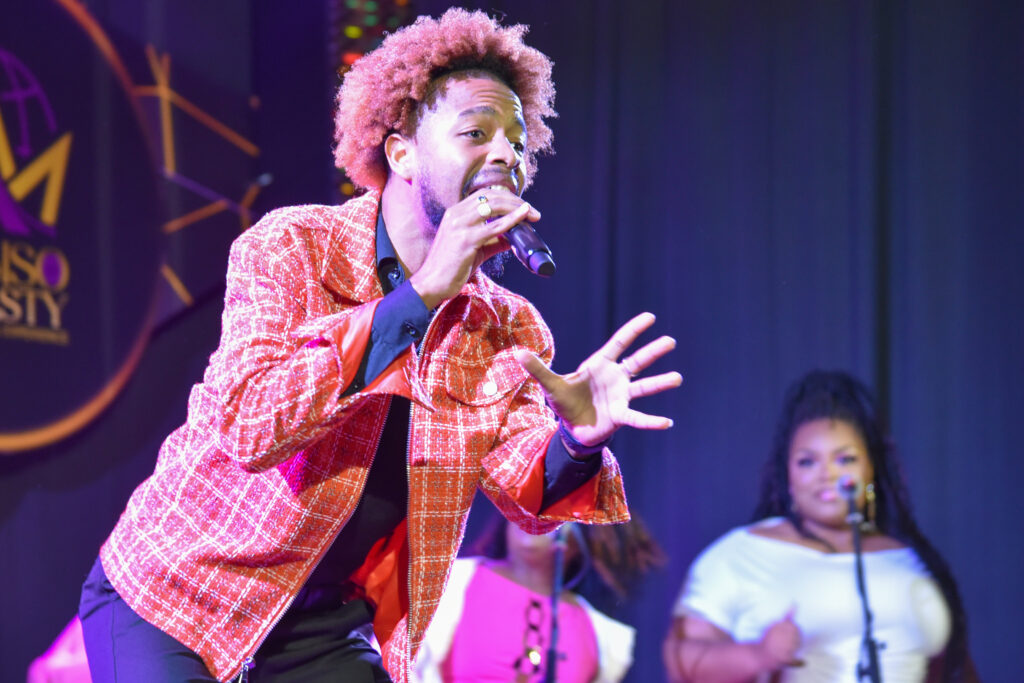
{"x": 786, "y": 185}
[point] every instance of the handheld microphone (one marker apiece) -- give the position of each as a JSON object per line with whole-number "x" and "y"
{"x": 530, "y": 249}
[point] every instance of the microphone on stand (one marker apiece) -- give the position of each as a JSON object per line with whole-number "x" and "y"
{"x": 557, "y": 584}
{"x": 868, "y": 668}
{"x": 849, "y": 488}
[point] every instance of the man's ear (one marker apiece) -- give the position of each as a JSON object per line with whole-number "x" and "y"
{"x": 401, "y": 153}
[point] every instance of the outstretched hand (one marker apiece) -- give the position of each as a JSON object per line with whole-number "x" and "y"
{"x": 594, "y": 400}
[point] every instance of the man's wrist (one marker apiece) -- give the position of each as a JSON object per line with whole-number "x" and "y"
{"x": 431, "y": 298}
{"x": 578, "y": 450}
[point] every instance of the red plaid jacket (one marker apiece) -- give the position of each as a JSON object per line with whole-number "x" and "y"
{"x": 249, "y": 493}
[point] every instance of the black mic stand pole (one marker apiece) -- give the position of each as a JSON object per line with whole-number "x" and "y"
{"x": 556, "y": 592}
{"x": 869, "y": 647}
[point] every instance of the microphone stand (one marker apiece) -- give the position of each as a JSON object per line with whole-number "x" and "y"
{"x": 869, "y": 646}
{"x": 556, "y": 592}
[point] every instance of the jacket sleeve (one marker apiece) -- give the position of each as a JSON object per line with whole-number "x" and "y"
{"x": 285, "y": 358}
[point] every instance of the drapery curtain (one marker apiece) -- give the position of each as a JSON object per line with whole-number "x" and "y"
{"x": 792, "y": 185}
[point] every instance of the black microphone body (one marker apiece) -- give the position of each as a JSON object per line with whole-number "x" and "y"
{"x": 849, "y": 488}
{"x": 530, "y": 249}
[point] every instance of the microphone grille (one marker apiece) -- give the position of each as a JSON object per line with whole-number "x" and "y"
{"x": 848, "y": 485}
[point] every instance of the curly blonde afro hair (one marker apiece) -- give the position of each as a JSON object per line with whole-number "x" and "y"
{"x": 386, "y": 90}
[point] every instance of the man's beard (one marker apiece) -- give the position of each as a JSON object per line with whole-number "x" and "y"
{"x": 433, "y": 209}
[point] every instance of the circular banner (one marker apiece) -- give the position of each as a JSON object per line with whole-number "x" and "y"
{"x": 80, "y": 244}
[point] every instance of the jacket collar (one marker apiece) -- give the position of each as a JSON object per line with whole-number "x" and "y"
{"x": 353, "y": 273}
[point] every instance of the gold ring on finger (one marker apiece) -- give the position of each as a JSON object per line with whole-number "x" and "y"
{"x": 483, "y": 208}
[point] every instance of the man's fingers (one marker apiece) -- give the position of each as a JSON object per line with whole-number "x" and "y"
{"x": 648, "y": 386}
{"x": 500, "y": 203}
{"x": 626, "y": 335}
{"x": 513, "y": 217}
{"x": 490, "y": 233}
{"x": 637, "y": 420}
{"x": 535, "y": 366}
{"x": 641, "y": 359}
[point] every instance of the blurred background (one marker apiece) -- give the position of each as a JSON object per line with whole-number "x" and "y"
{"x": 787, "y": 185}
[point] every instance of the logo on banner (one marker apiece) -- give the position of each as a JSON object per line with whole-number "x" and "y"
{"x": 34, "y": 277}
{"x": 80, "y": 217}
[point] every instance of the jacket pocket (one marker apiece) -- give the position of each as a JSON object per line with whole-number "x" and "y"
{"x": 481, "y": 370}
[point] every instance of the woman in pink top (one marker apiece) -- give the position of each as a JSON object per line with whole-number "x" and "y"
{"x": 494, "y": 621}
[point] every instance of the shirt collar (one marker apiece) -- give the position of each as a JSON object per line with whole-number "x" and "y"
{"x": 389, "y": 269}
{"x": 391, "y": 273}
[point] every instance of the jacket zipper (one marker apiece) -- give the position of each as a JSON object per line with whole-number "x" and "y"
{"x": 408, "y": 498}
{"x": 407, "y": 665}
{"x": 248, "y": 663}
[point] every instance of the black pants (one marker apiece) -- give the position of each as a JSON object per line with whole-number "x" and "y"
{"x": 318, "y": 640}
